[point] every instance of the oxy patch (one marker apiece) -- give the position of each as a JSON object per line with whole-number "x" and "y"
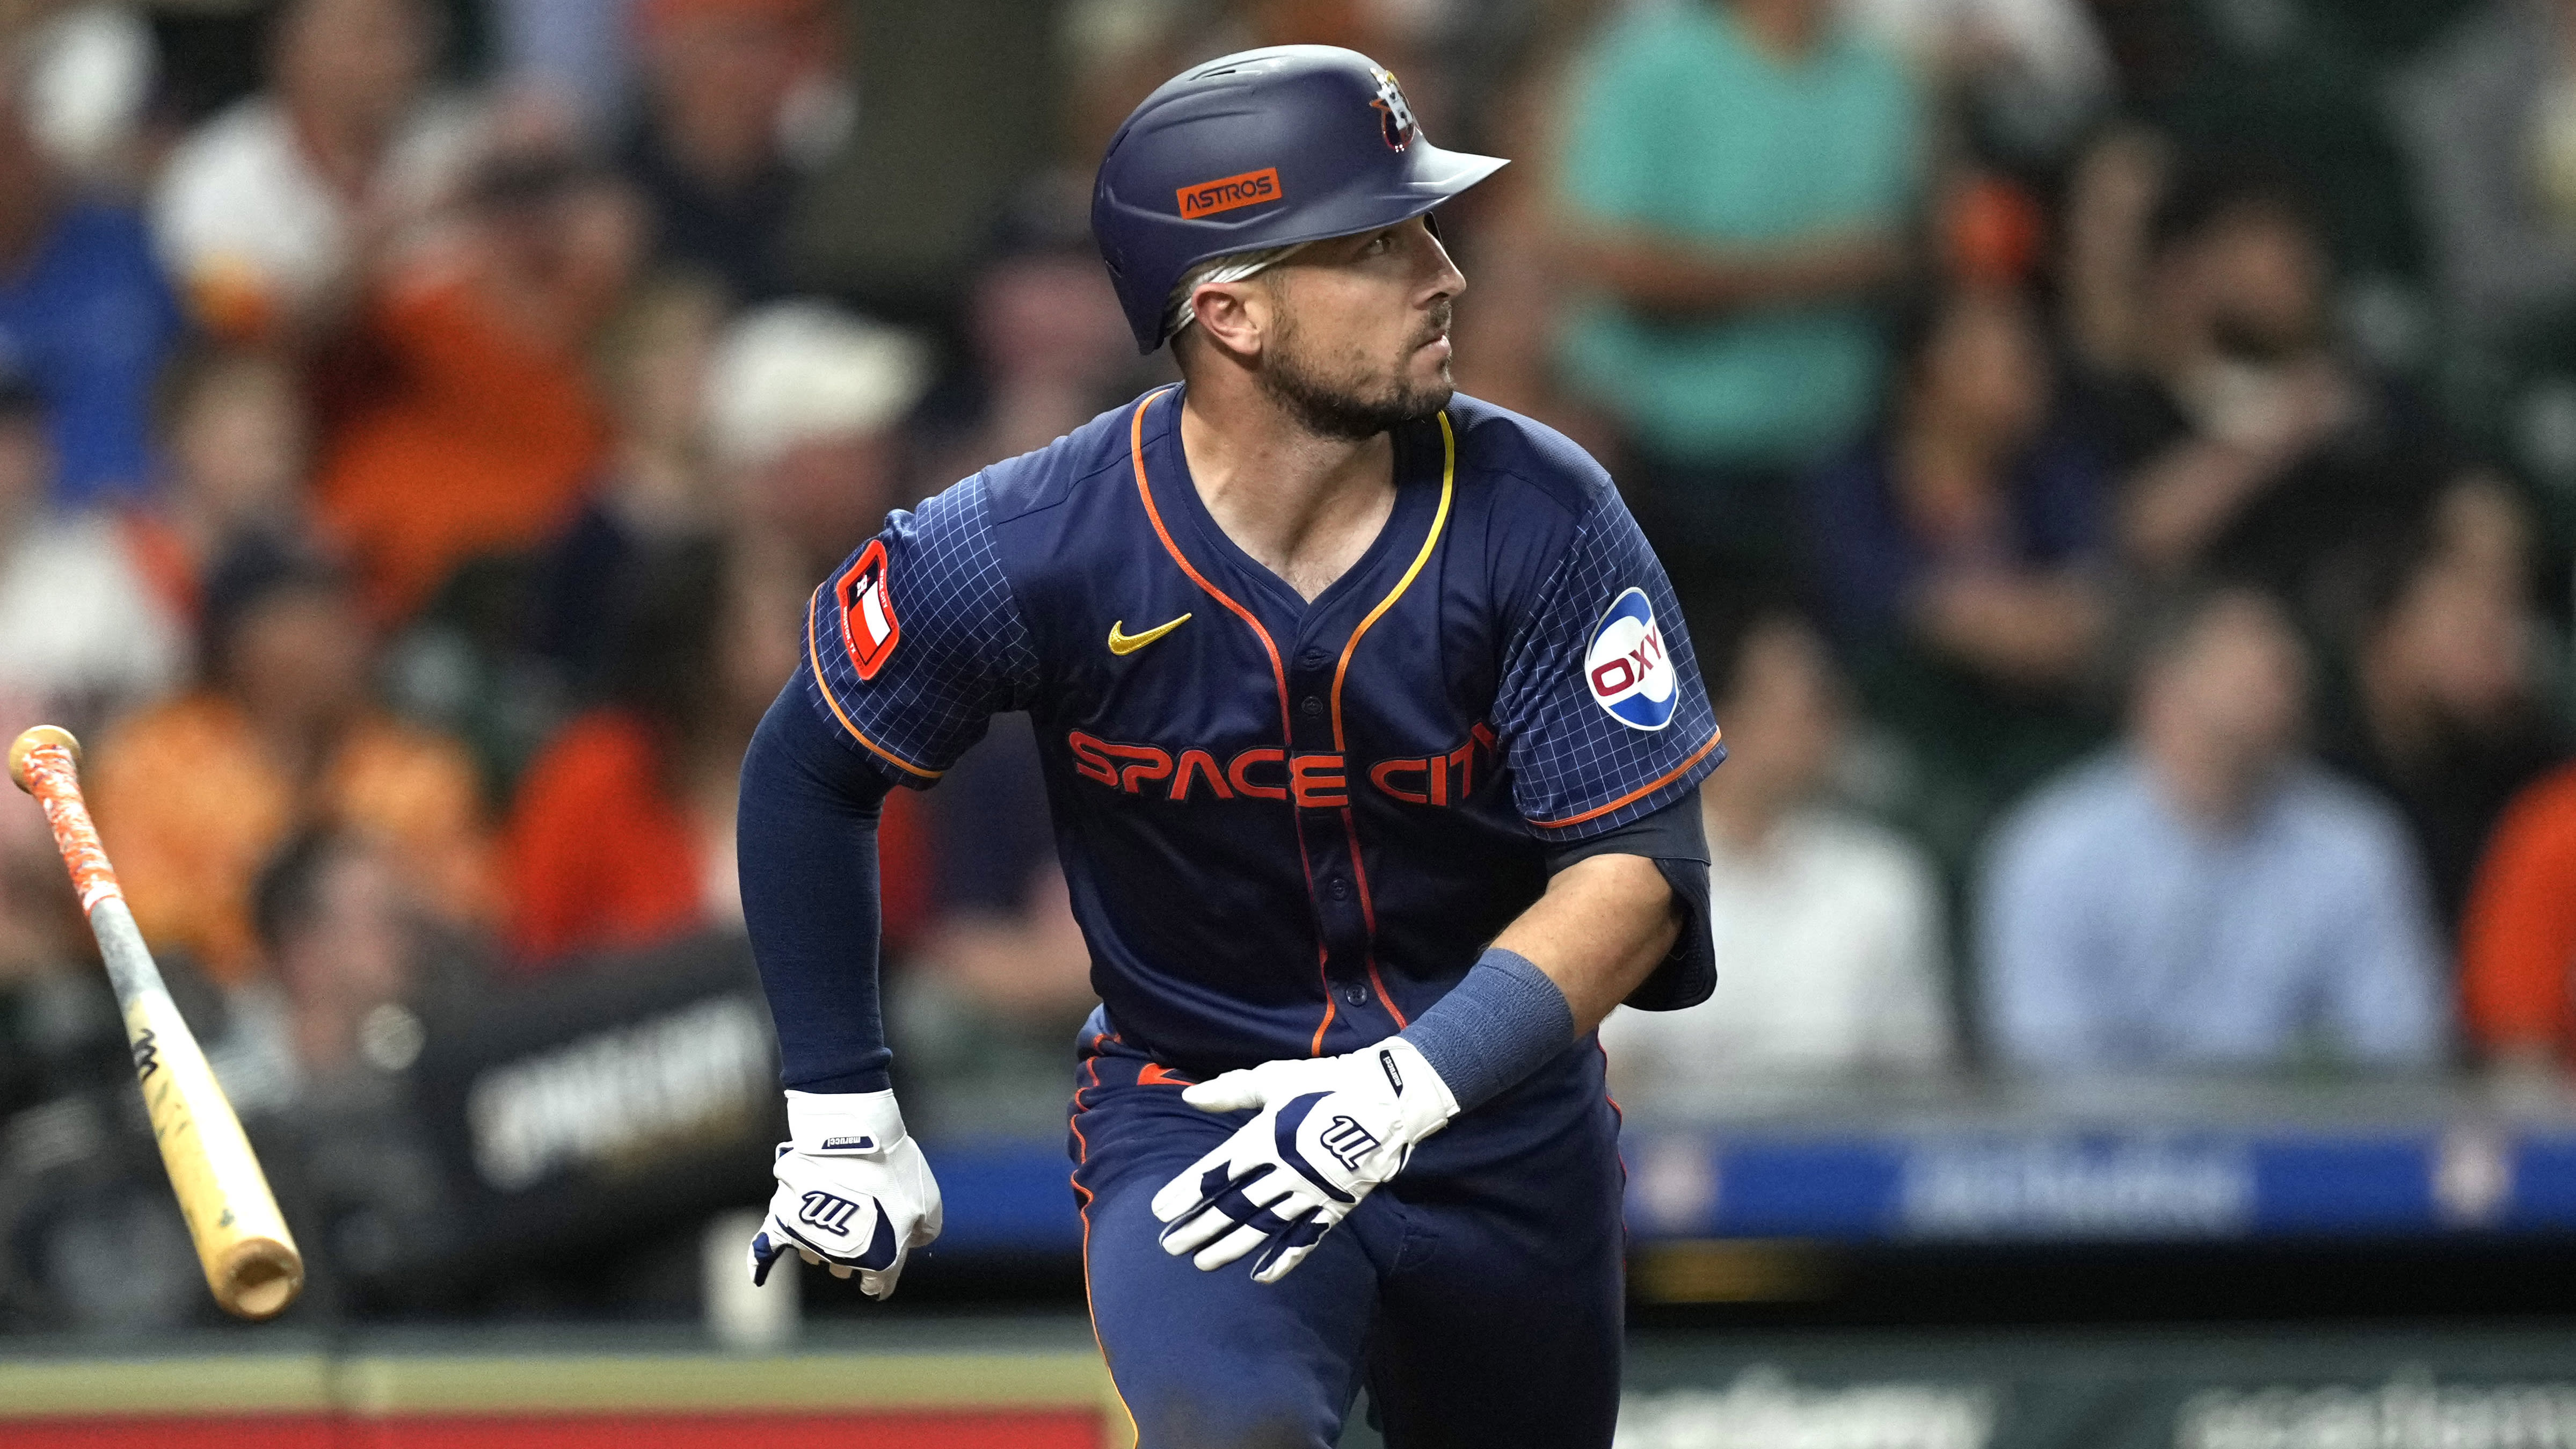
{"x": 1626, "y": 667}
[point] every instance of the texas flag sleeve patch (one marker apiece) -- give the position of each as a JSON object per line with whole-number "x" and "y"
{"x": 869, "y": 629}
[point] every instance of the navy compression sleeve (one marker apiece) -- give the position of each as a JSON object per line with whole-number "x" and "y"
{"x": 806, "y": 835}
{"x": 1676, "y": 840}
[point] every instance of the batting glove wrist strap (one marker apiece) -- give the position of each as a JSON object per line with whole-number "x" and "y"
{"x": 854, "y": 1192}
{"x": 838, "y": 1124}
{"x": 1325, "y": 1132}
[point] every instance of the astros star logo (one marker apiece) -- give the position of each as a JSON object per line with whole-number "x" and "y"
{"x": 1395, "y": 117}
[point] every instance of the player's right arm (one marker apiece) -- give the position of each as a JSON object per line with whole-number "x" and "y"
{"x": 909, "y": 649}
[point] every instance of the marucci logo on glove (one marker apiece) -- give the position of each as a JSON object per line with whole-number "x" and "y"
{"x": 1348, "y": 1141}
{"x": 825, "y": 1211}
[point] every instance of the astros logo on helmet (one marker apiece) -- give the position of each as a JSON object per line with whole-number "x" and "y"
{"x": 1395, "y": 118}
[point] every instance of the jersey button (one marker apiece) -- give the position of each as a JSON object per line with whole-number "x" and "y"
{"x": 1313, "y": 706}
{"x": 1355, "y": 994}
{"x": 1340, "y": 888}
{"x": 1312, "y": 659}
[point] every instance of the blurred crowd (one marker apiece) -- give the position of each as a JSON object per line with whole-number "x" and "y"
{"x": 2110, "y": 456}
{"x": 2118, "y": 458}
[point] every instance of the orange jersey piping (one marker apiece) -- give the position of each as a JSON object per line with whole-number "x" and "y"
{"x": 1082, "y": 1159}
{"x": 1641, "y": 792}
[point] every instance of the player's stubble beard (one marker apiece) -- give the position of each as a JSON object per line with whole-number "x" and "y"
{"x": 1354, "y": 401}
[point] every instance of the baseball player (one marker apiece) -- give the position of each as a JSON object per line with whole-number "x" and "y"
{"x": 1372, "y": 739}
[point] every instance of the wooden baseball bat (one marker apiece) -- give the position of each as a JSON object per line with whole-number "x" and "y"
{"x": 249, "y": 1257}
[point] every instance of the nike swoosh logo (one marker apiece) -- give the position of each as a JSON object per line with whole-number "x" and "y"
{"x": 1121, "y": 642}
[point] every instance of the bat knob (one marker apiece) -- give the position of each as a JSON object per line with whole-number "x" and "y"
{"x": 34, "y": 740}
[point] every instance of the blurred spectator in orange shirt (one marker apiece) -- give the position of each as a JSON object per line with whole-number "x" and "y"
{"x": 2518, "y": 946}
{"x": 483, "y": 430}
{"x": 623, "y": 832}
{"x": 281, "y": 736}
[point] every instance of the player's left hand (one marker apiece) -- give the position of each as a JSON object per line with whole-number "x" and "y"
{"x": 1329, "y": 1131}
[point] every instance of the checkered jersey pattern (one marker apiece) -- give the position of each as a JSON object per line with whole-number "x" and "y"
{"x": 1577, "y": 770}
{"x": 963, "y": 654}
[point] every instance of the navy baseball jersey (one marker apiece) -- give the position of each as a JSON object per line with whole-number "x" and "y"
{"x": 1287, "y": 826}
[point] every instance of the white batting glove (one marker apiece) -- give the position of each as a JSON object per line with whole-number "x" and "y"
{"x": 1330, "y": 1130}
{"x": 854, "y": 1193}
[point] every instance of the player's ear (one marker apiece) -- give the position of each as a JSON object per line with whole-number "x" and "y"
{"x": 1235, "y": 316}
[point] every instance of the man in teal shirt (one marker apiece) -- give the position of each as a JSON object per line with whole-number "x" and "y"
{"x": 1740, "y": 173}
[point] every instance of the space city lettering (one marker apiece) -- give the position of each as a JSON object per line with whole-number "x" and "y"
{"x": 1314, "y": 779}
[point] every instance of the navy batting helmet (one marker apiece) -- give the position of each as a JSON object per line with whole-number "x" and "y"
{"x": 1266, "y": 148}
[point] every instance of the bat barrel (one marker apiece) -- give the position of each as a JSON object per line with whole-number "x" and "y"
{"x": 256, "y": 1278}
